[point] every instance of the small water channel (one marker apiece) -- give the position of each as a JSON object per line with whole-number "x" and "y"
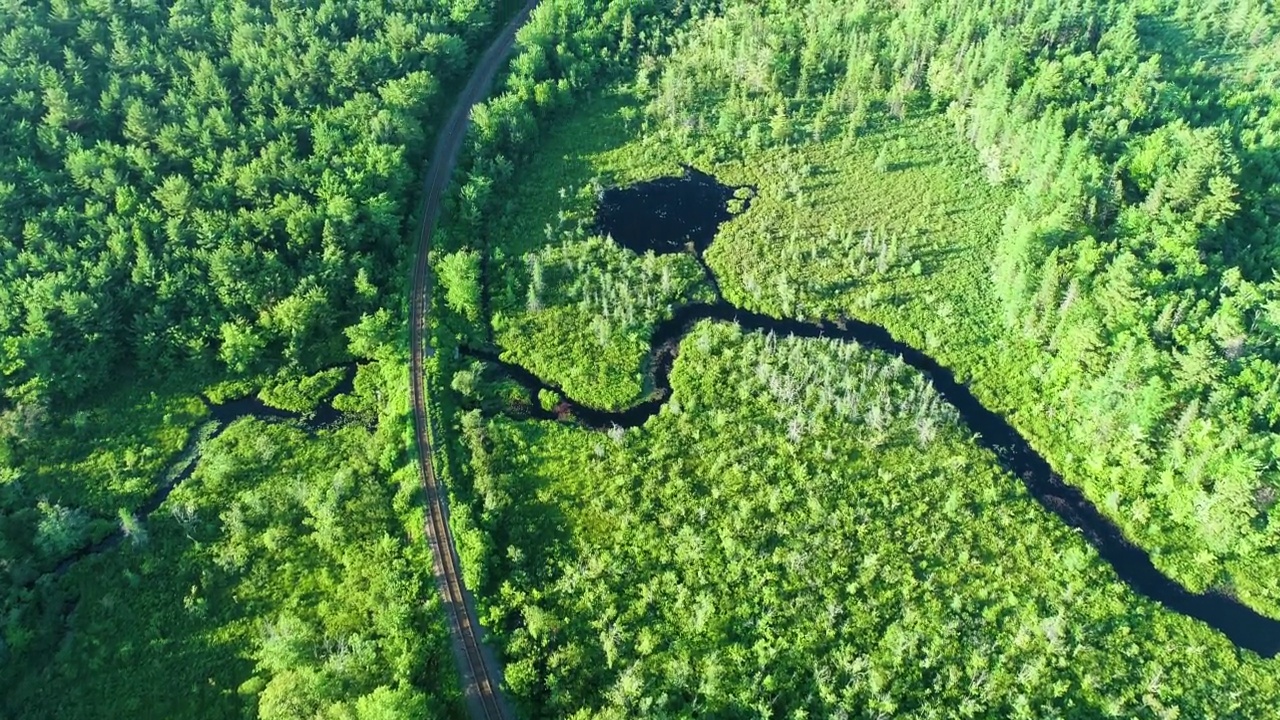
{"x": 682, "y": 214}
{"x": 222, "y": 415}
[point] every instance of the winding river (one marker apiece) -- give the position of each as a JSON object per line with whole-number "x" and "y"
{"x": 647, "y": 216}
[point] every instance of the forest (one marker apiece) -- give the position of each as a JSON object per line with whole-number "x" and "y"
{"x": 209, "y": 501}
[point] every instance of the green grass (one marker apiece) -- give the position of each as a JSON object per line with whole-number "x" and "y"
{"x": 599, "y": 302}
{"x": 112, "y": 453}
{"x": 589, "y": 328}
{"x": 899, "y": 226}
{"x": 77, "y": 473}
{"x": 800, "y": 252}
{"x": 589, "y": 144}
{"x": 906, "y": 244}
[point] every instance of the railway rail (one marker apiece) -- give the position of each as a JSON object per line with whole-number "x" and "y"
{"x": 477, "y": 665}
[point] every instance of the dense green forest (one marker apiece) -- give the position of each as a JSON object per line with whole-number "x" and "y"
{"x": 1073, "y": 205}
{"x": 216, "y": 198}
{"x": 210, "y": 204}
{"x": 209, "y": 185}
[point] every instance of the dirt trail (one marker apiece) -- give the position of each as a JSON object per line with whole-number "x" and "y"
{"x": 477, "y": 666}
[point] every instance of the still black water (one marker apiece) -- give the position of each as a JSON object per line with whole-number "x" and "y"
{"x": 679, "y": 214}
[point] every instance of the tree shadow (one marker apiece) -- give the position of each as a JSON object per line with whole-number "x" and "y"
{"x": 902, "y": 165}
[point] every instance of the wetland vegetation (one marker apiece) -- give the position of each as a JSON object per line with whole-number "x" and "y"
{"x": 1063, "y": 205}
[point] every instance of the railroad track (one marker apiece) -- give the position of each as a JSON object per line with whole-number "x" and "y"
{"x": 477, "y": 666}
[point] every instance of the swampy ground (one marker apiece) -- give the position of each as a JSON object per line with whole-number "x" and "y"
{"x": 803, "y": 525}
{"x": 683, "y": 214}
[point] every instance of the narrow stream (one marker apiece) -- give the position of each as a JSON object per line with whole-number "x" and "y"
{"x": 223, "y": 414}
{"x": 673, "y": 214}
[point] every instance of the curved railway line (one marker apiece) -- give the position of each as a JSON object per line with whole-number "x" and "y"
{"x": 477, "y": 666}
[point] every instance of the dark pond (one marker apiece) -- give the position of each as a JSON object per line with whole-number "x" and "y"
{"x": 670, "y": 214}
{"x": 666, "y": 215}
